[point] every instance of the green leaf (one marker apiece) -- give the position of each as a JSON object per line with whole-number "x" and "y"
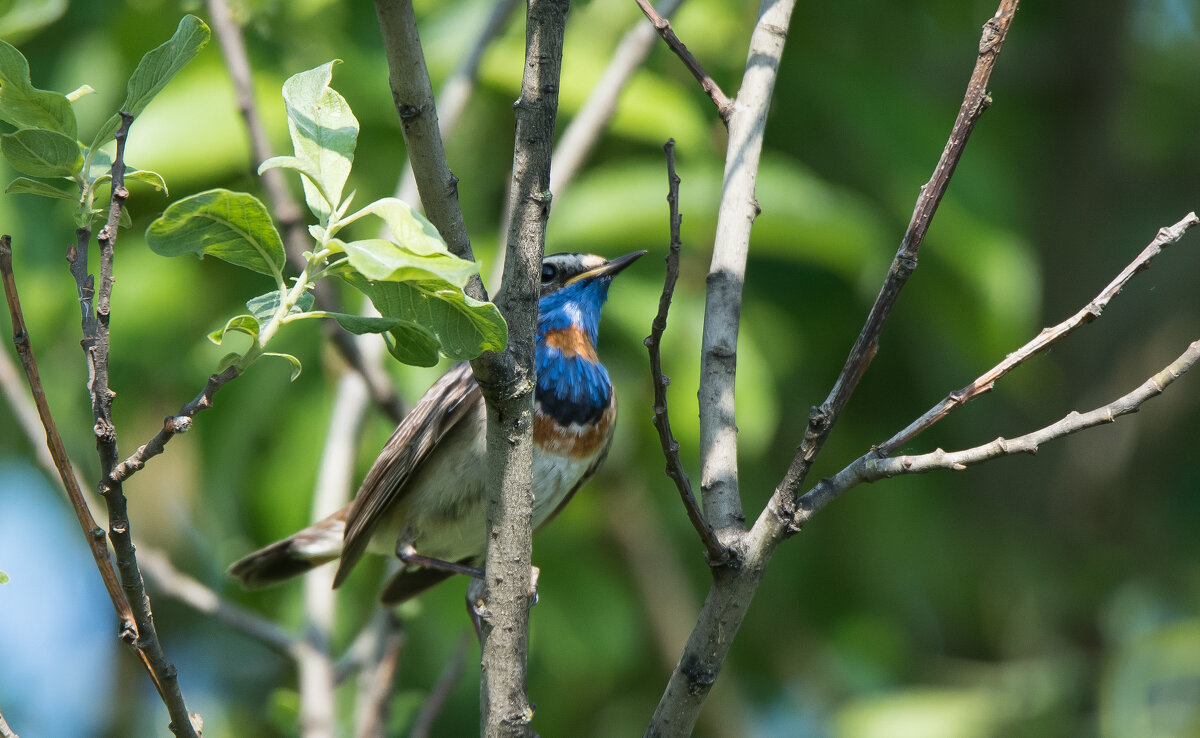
{"x": 227, "y": 361}
{"x": 324, "y": 132}
{"x": 263, "y": 307}
{"x": 409, "y": 228}
{"x": 464, "y": 327}
{"x": 232, "y": 226}
{"x": 296, "y": 367}
{"x": 247, "y": 324}
{"x": 24, "y": 106}
{"x": 154, "y": 179}
{"x": 42, "y": 153}
{"x": 155, "y": 70}
{"x": 24, "y": 185}
{"x": 378, "y": 259}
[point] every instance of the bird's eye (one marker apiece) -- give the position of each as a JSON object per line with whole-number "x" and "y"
{"x": 549, "y": 272}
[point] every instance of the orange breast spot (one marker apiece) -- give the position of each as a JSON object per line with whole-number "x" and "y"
{"x": 571, "y": 341}
{"x": 573, "y": 441}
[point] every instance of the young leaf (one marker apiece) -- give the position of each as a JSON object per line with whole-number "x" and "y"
{"x": 232, "y": 226}
{"x": 324, "y": 132}
{"x": 42, "y": 153}
{"x": 154, "y": 179}
{"x": 33, "y": 187}
{"x": 237, "y": 324}
{"x": 155, "y": 70}
{"x": 24, "y": 106}
{"x": 378, "y": 259}
{"x": 464, "y": 327}
{"x": 409, "y": 228}
{"x": 263, "y": 307}
{"x": 291, "y": 359}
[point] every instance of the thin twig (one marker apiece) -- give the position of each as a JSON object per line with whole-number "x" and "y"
{"x": 975, "y": 102}
{"x": 62, "y": 463}
{"x": 1043, "y": 341}
{"x": 96, "y": 346}
{"x": 442, "y": 689}
{"x": 288, "y": 212}
{"x": 870, "y": 468}
{"x": 663, "y": 26}
{"x": 716, "y": 553}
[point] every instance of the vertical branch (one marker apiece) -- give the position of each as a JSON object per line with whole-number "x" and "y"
{"x": 95, "y": 344}
{"x": 94, "y": 534}
{"x": 726, "y": 274}
{"x": 412, "y": 93}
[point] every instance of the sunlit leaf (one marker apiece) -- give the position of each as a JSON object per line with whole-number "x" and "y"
{"x": 296, "y": 367}
{"x": 23, "y": 105}
{"x": 155, "y": 70}
{"x": 409, "y": 342}
{"x": 378, "y": 259}
{"x": 409, "y": 228}
{"x": 42, "y": 153}
{"x": 464, "y": 327}
{"x": 247, "y": 324}
{"x": 232, "y": 226}
{"x": 324, "y": 132}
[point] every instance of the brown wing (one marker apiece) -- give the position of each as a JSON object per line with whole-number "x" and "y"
{"x": 451, "y": 398}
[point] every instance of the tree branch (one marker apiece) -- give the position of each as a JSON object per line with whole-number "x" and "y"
{"x": 96, "y": 346}
{"x": 5, "y": 731}
{"x": 724, "y": 105}
{"x": 1043, "y": 341}
{"x": 92, "y": 531}
{"x": 412, "y": 93}
{"x": 726, "y": 274}
{"x": 871, "y": 468}
{"x": 975, "y": 101}
{"x": 716, "y": 553}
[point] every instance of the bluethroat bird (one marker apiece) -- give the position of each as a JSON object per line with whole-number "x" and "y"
{"x": 423, "y": 499}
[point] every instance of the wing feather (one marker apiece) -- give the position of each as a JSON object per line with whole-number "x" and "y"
{"x": 447, "y": 402}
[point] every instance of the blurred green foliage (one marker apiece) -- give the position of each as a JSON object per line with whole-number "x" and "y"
{"x": 1045, "y": 596}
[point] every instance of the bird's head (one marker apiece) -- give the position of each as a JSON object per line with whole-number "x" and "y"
{"x": 574, "y": 288}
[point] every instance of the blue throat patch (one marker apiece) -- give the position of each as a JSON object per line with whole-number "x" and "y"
{"x": 572, "y": 389}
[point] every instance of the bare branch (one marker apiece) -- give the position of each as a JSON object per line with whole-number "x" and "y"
{"x": 288, "y": 212}
{"x": 975, "y": 101}
{"x": 871, "y": 468}
{"x": 1044, "y": 340}
{"x": 180, "y": 422}
{"x": 727, "y": 272}
{"x": 92, "y": 531}
{"x": 96, "y": 345}
{"x": 663, "y": 26}
{"x": 452, "y": 100}
{"x": 715, "y": 552}
{"x": 412, "y": 93}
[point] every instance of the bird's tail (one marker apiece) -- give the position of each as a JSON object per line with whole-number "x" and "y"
{"x": 317, "y": 544}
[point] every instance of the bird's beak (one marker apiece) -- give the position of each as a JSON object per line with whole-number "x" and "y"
{"x": 609, "y": 268}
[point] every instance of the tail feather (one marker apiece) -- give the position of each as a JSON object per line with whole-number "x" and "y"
{"x": 307, "y": 549}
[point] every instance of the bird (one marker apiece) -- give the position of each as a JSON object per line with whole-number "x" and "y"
{"x": 423, "y": 499}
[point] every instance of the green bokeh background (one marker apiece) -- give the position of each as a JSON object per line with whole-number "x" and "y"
{"x": 1044, "y": 596}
